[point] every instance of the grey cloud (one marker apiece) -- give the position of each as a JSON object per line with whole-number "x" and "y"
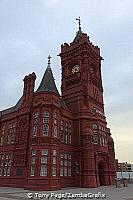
{"x": 31, "y": 30}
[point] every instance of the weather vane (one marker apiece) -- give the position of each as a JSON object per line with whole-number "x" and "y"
{"x": 49, "y": 59}
{"x": 79, "y": 22}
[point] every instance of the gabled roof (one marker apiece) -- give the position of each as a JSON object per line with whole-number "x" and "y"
{"x": 48, "y": 83}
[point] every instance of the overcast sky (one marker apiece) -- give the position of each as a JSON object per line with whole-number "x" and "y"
{"x": 30, "y": 30}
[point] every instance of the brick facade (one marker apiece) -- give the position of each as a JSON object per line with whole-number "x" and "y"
{"x": 48, "y": 141}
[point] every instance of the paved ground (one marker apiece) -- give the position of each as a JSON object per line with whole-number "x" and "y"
{"x": 112, "y": 193}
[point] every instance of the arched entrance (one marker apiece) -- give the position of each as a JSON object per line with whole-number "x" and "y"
{"x": 101, "y": 173}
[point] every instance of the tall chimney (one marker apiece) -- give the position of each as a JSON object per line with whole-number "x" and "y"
{"x": 29, "y": 84}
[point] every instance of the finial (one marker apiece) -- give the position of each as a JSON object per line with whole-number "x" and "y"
{"x": 49, "y": 58}
{"x": 79, "y": 22}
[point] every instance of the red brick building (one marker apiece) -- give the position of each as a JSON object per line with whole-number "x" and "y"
{"x": 49, "y": 141}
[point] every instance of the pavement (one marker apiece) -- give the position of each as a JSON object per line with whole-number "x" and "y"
{"x": 103, "y": 192}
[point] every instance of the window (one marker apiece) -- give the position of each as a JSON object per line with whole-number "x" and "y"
{"x": 43, "y": 171}
{"x": 45, "y": 152}
{"x": 1, "y": 170}
{"x": 44, "y": 162}
{"x": 33, "y": 162}
{"x": 61, "y": 170}
{"x": 32, "y": 170}
{"x": 62, "y": 131}
{"x": 6, "y": 162}
{"x": 8, "y": 171}
{"x": 35, "y": 126}
{"x": 33, "y": 152}
{"x": 5, "y": 171}
{"x": 45, "y": 123}
{"x": 11, "y": 133}
{"x": 54, "y": 152}
{"x": 69, "y": 165}
{"x": 77, "y": 167}
{"x": 97, "y": 111}
{"x": 65, "y": 165}
{"x": 2, "y": 160}
{"x": 103, "y": 136}
{"x": 69, "y": 133}
{"x": 95, "y": 138}
{"x": 94, "y": 126}
{"x": 95, "y": 133}
{"x": 55, "y": 124}
{"x": 95, "y": 93}
{"x": 54, "y": 173}
{"x": 66, "y": 131}
{"x": 2, "y": 135}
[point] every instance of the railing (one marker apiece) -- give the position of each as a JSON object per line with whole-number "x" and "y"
{"x": 127, "y": 175}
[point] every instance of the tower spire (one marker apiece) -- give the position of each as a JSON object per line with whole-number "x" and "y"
{"x": 49, "y": 61}
{"x": 79, "y": 22}
{"x": 48, "y": 83}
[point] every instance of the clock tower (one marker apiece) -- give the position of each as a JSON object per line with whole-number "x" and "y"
{"x": 82, "y": 91}
{"x": 81, "y": 75}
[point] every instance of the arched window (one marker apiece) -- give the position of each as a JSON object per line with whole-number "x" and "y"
{"x": 35, "y": 127}
{"x": 55, "y": 124}
{"x": 45, "y": 123}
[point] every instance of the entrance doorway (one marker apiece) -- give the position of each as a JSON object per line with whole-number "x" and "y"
{"x": 101, "y": 173}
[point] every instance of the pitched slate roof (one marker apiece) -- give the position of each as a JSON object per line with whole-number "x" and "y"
{"x": 12, "y": 109}
{"x": 48, "y": 83}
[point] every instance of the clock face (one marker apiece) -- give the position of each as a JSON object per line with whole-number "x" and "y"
{"x": 75, "y": 69}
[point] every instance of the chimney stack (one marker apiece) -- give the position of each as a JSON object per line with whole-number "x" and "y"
{"x": 29, "y": 84}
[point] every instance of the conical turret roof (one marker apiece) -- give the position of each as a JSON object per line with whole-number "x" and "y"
{"x": 48, "y": 83}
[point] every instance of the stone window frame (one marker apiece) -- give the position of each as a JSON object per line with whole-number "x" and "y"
{"x": 66, "y": 164}
{"x": 55, "y": 129}
{"x": 2, "y": 135}
{"x": 11, "y": 133}
{"x": 66, "y": 131}
{"x": 46, "y": 123}
{"x": 95, "y": 133}
{"x": 54, "y": 162}
{"x": 5, "y": 165}
{"x": 33, "y": 162}
{"x": 35, "y": 125}
{"x": 44, "y": 162}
